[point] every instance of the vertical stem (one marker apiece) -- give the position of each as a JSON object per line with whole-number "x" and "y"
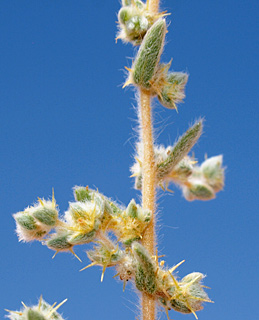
{"x": 148, "y": 191}
{"x": 148, "y": 183}
{"x": 153, "y": 6}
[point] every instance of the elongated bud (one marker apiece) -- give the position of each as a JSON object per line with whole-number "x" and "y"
{"x": 42, "y": 311}
{"x": 148, "y": 56}
{"x": 181, "y": 148}
{"x": 145, "y": 277}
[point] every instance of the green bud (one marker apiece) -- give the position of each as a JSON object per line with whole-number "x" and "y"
{"x": 145, "y": 270}
{"x": 43, "y": 311}
{"x": 127, "y": 2}
{"x": 132, "y": 209}
{"x": 45, "y": 215}
{"x": 105, "y": 256}
{"x": 198, "y": 190}
{"x": 149, "y": 53}
{"x": 139, "y": 4}
{"x": 172, "y": 91}
{"x": 180, "y": 149}
{"x": 81, "y": 238}
{"x": 59, "y": 242}
{"x": 35, "y": 315}
{"x": 182, "y": 170}
{"x": 25, "y": 221}
{"x": 179, "y": 306}
{"x": 82, "y": 193}
{"x": 140, "y": 278}
{"x": 124, "y": 15}
{"x": 213, "y": 172}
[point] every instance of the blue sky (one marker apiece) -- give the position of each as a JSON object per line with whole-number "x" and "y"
{"x": 66, "y": 121}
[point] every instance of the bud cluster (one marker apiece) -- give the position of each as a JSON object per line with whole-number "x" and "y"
{"x": 42, "y": 311}
{"x": 37, "y": 221}
{"x": 135, "y": 264}
{"x": 134, "y": 21}
{"x": 173, "y": 165}
{"x": 149, "y": 74}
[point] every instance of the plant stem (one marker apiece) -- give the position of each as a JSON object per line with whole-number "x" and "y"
{"x": 148, "y": 191}
{"x": 153, "y": 6}
{"x": 148, "y": 183}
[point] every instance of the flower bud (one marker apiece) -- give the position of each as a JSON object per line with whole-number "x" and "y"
{"x": 213, "y": 172}
{"x": 42, "y": 311}
{"x": 148, "y": 56}
{"x": 145, "y": 276}
{"x": 172, "y": 90}
{"x": 198, "y": 190}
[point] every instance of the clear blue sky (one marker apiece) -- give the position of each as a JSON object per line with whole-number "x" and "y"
{"x": 66, "y": 121}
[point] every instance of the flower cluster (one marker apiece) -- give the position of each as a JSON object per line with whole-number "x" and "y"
{"x": 86, "y": 220}
{"x": 94, "y": 218}
{"x": 150, "y": 276}
{"x": 42, "y": 311}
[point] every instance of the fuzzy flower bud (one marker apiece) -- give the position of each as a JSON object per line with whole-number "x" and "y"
{"x": 172, "y": 90}
{"x": 42, "y": 311}
{"x": 188, "y": 295}
{"x": 213, "y": 172}
{"x": 84, "y": 219}
{"x": 104, "y": 256}
{"x": 35, "y": 222}
{"x": 134, "y": 21}
{"x": 148, "y": 56}
{"x": 145, "y": 275}
{"x": 131, "y": 223}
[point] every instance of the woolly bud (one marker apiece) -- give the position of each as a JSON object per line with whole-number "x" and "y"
{"x": 145, "y": 276}
{"x": 42, "y": 311}
{"x": 213, "y": 172}
{"x": 59, "y": 242}
{"x": 148, "y": 56}
{"x": 105, "y": 256}
{"x": 182, "y": 170}
{"x": 172, "y": 90}
{"x": 126, "y": 267}
{"x": 189, "y": 295}
{"x": 37, "y": 221}
{"x": 84, "y": 218}
{"x": 197, "y": 189}
{"x": 134, "y": 21}
{"x": 131, "y": 223}
{"x": 180, "y": 149}
{"x": 82, "y": 193}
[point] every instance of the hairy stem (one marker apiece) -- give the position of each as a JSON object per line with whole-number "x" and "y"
{"x": 148, "y": 191}
{"x": 153, "y": 6}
